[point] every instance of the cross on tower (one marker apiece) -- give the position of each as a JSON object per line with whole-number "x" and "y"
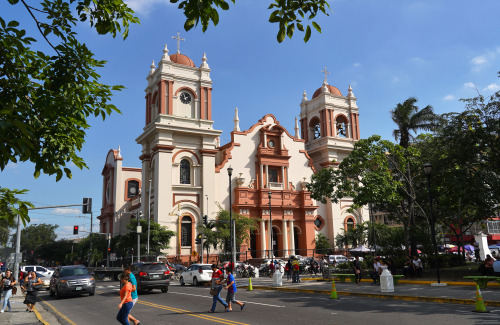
{"x": 326, "y": 72}
{"x": 179, "y": 39}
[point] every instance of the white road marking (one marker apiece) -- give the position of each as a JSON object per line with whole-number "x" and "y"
{"x": 249, "y": 302}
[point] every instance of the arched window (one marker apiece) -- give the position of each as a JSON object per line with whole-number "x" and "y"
{"x": 186, "y": 231}
{"x": 349, "y": 224}
{"x": 132, "y": 189}
{"x": 341, "y": 126}
{"x": 185, "y": 172}
{"x": 315, "y": 128}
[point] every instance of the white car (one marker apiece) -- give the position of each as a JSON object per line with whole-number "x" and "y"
{"x": 337, "y": 258}
{"x": 196, "y": 274}
{"x": 38, "y": 269}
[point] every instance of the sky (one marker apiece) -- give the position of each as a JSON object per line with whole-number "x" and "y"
{"x": 388, "y": 50}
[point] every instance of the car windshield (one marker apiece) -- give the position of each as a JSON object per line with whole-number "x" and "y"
{"x": 205, "y": 267}
{"x": 75, "y": 271}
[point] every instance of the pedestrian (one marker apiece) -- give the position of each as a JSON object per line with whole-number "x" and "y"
{"x": 8, "y": 284}
{"x": 488, "y": 265}
{"x": 476, "y": 252}
{"x": 126, "y": 304}
{"x": 357, "y": 270}
{"x": 296, "y": 270}
{"x": 216, "y": 287}
{"x": 231, "y": 292}
{"x": 288, "y": 270}
{"x": 313, "y": 266}
{"x": 417, "y": 266}
{"x": 272, "y": 268}
{"x": 30, "y": 287}
{"x": 407, "y": 268}
{"x": 133, "y": 295}
{"x": 375, "y": 274}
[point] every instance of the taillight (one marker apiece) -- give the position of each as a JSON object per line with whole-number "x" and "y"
{"x": 200, "y": 271}
{"x": 143, "y": 274}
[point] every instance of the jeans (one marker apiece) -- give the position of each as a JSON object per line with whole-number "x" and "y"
{"x": 295, "y": 276}
{"x": 122, "y": 316}
{"x": 6, "y": 301}
{"x": 217, "y": 298}
{"x": 358, "y": 277}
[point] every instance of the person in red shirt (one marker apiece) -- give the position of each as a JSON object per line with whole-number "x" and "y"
{"x": 217, "y": 280}
{"x": 126, "y": 303}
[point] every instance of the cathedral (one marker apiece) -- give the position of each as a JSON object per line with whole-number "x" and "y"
{"x": 261, "y": 173}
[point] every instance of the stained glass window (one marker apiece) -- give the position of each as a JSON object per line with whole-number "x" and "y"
{"x": 185, "y": 172}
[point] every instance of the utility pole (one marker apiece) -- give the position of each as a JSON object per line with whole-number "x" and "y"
{"x": 149, "y": 213}
{"x": 139, "y": 231}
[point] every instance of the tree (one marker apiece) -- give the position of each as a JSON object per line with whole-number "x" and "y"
{"x": 322, "y": 245}
{"x": 409, "y": 118}
{"x": 244, "y": 225}
{"x": 47, "y": 96}
{"x": 34, "y": 237}
{"x": 159, "y": 238}
{"x": 287, "y": 14}
{"x": 56, "y": 252}
{"x": 11, "y": 205}
{"x": 210, "y": 236}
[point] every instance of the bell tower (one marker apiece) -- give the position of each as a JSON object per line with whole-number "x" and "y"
{"x": 178, "y": 146}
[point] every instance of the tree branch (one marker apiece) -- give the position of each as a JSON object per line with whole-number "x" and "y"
{"x": 38, "y": 26}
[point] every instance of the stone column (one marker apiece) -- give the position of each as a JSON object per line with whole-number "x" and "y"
{"x": 261, "y": 176}
{"x": 292, "y": 238}
{"x": 263, "y": 238}
{"x": 267, "y": 176}
{"x": 283, "y": 177}
{"x": 284, "y": 231}
{"x": 270, "y": 229}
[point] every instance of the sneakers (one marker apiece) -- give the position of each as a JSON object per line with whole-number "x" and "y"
{"x": 1, "y": 311}
{"x": 243, "y": 306}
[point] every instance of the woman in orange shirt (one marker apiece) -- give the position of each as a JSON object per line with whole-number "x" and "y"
{"x": 126, "y": 303}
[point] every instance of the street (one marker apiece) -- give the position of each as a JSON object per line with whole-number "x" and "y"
{"x": 189, "y": 305}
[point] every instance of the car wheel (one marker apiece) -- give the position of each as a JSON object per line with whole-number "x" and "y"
{"x": 195, "y": 282}
{"x": 52, "y": 293}
{"x": 91, "y": 293}
{"x": 58, "y": 295}
{"x": 164, "y": 289}
{"x": 181, "y": 281}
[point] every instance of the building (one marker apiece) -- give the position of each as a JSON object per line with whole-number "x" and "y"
{"x": 184, "y": 172}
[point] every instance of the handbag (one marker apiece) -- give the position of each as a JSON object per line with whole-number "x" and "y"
{"x": 214, "y": 292}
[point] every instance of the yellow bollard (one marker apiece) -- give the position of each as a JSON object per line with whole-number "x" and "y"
{"x": 480, "y": 307}
{"x": 250, "y": 284}
{"x": 333, "y": 294}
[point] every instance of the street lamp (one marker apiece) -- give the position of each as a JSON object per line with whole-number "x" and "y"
{"x": 149, "y": 213}
{"x": 270, "y": 227}
{"x": 139, "y": 231}
{"x": 229, "y": 173}
{"x": 109, "y": 246}
{"x": 428, "y": 170}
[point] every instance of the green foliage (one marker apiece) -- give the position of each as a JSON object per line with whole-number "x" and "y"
{"x": 56, "y": 252}
{"x": 34, "y": 237}
{"x": 244, "y": 225}
{"x": 287, "y": 14}
{"x": 159, "y": 238}
{"x": 322, "y": 245}
{"x": 11, "y": 206}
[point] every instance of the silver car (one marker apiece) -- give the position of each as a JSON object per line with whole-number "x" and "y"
{"x": 71, "y": 280}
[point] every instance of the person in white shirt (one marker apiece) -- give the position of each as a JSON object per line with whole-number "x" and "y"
{"x": 417, "y": 266}
{"x": 375, "y": 274}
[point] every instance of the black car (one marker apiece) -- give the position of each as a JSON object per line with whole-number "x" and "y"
{"x": 71, "y": 280}
{"x": 155, "y": 275}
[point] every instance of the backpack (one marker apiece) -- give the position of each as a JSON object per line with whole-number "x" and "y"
{"x": 296, "y": 267}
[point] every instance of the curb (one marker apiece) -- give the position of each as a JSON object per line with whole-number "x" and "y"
{"x": 39, "y": 317}
{"x": 411, "y": 282}
{"x": 382, "y": 296}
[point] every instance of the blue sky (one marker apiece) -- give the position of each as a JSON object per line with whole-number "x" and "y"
{"x": 437, "y": 51}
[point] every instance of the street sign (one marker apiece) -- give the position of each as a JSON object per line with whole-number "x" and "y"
{"x": 194, "y": 253}
{"x": 112, "y": 257}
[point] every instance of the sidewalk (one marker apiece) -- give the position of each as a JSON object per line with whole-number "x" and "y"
{"x": 19, "y": 315}
{"x": 459, "y": 293}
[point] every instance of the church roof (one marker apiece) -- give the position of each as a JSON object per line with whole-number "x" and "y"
{"x": 333, "y": 90}
{"x": 182, "y": 59}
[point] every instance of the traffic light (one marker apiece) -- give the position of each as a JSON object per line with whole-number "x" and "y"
{"x": 205, "y": 219}
{"x": 75, "y": 230}
{"x": 87, "y": 205}
{"x": 198, "y": 240}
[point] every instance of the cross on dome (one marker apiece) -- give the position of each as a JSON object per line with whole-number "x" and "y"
{"x": 326, "y": 72}
{"x": 179, "y": 39}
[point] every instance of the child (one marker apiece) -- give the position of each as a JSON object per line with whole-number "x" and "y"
{"x": 231, "y": 291}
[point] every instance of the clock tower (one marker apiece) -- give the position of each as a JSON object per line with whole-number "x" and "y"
{"x": 178, "y": 146}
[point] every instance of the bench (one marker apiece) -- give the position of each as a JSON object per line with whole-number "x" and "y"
{"x": 343, "y": 276}
{"x": 395, "y": 278}
{"x": 482, "y": 281}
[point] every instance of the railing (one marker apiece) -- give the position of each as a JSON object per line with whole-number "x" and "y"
{"x": 493, "y": 227}
{"x": 275, "y": 186}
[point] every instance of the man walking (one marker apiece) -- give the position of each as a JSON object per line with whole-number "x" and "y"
{"x": 231, "y": 291}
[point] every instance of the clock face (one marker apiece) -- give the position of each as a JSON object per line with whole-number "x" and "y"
{"x": 185, "y": 98}
{"x": 271, "y": 144}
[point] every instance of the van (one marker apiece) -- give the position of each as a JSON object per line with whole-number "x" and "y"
{"x": 38, "y": 269}
{"x": 336, "y": 259}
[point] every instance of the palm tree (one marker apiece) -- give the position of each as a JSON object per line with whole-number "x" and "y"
{"x": 409, "y": 118}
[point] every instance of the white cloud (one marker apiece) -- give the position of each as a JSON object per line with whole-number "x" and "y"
{"x": 492, "y": 87}
{"x": 66, "y": 211}
{"x": 357, "y": 64}
{"x": 469, "y": 85}
{"x": 449, "y": 97}
{"x": 479, "y": 60}
{"x": 395, "y": 79}
{"x": 145, "y": 6}
{"x": 418, "y": 60}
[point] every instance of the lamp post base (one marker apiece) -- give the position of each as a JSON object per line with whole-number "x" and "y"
{"x": 435, "y": 284}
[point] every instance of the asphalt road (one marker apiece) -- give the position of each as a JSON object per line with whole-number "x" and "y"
{"x": 189, "y": 305}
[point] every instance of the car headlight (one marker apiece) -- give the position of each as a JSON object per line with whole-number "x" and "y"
{"x": 63, "y": 282}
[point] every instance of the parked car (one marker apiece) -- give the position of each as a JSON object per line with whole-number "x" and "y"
{"x": 38, "y": 269}
{"x": 45, "y": 281}
{"x": 196, "y": 274}
{"x": 71, "y": 280}
{"x": 152, "y": 275}
{"x": 336, "y": 259}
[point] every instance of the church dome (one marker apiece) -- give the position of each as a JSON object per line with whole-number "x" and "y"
{"x": 333, "y": 90}
{"x": 182, "y": 59}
